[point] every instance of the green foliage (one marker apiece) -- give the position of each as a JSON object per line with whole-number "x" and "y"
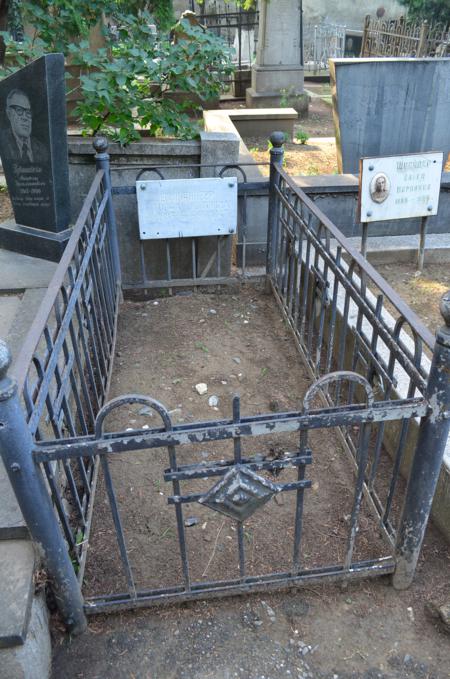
{"x": 126, "y": 84}
{"x": 431, "y": 10}
{"x": 162, "y": 11}
{"x": 55, "y": 21}
{"x": 301, "y": 136}
{"x": 245, "y": 4}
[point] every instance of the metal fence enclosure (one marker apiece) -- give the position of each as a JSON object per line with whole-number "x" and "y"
{"x": 404, "y": 38}
{"x": 369, "y": 386}
{"x": 321, "y": 43}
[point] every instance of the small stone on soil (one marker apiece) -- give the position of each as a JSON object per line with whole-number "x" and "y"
{"x": 191, "y": 521}
{"x": 201, "y": 388}
{"x": 146, "y": 410}
{"x": 213, "y": 401}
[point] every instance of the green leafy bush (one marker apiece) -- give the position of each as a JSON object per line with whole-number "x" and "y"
{"x": 302, "y": 136}
{"x": 126, "y": 86}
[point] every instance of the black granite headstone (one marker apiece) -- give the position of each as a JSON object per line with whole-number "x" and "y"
{"x": 33, "y": 149}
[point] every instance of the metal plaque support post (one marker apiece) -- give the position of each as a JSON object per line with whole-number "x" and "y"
{"x": 16, "y": 445}
{"x": 102, "y": 163}
{"x": 365, "y": 233}
{"x": 276, "y": 162}
{"x": 432, "y": 440}
{"x": 422, "y": 237}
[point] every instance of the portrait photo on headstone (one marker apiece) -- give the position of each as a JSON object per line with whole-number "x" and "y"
{"x": 22, "y": 131}
{"x": 380, "y": 187}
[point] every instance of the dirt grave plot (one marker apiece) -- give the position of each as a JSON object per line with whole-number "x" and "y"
{"x": 327, "y": 631}
{"x": 421, "y": 291}
{"x": 234, "y": 344}
{"x": 313, "y": 158}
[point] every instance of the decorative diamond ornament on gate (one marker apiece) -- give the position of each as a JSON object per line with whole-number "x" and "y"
{"x": 239, "y": 494}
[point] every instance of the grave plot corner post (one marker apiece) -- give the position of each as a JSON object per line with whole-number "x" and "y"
{"x": 27, "y": 481}
{"x": 433, "y": 435}
{"x": 276, "y": 161}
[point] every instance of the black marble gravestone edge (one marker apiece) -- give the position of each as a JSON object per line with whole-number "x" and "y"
{"x": 33, "y": 242}
{"x": 47, "y": 243}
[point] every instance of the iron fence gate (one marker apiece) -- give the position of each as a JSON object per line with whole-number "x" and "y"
{"x": 321, "y": 43}
{"x": 369, "y": 385}
{"x": 404, "y": 38}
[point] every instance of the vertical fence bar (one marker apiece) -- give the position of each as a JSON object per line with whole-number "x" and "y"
{"x": 276, "y": 161}
{"x": 34, "y": 500}
{"x": 433, "y": 435}
{"x": 422, "y": 239}
{"x": 102, "y": 163}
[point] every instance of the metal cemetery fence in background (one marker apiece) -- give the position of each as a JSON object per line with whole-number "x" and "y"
{"x": 239, "y": 29}
{"x": 322, "y": 42}
{"x": 369, "y": 386}
{"x": 404, "y": 38}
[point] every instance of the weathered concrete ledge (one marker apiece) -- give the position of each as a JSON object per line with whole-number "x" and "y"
{"x": 261, "y": 121}
{"x": 251, "y": 121}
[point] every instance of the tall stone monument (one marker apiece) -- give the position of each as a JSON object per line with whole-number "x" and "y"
{"x": 33, "y": 149}
{"x": 278, "y": 71}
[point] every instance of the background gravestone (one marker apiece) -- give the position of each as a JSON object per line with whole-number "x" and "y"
{"x": 33, "y": 149}
{"x": 385, "y": 107}
{"x": 278, "y": 71}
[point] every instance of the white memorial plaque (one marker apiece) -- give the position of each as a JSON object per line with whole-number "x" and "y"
{"x": 179, "y": 208}
{"x": 400, "y": 187}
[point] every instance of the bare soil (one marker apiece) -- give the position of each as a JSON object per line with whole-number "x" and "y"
{"x": 6, "y": 210}
{"x": 313, "y": 158}
{"x": 421, "y": 291}
{"x": 239, "y": 343}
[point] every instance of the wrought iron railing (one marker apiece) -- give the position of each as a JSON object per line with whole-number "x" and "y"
{"x": 239, "y": 29}
{"x": 226, "y": 259}
{"x": 370, "y": 385}
{"x": 345, "y": 316}
{"x": 64, "y": 367}
{"x": 321, "y": 43}
{"x": 404, "y": 38}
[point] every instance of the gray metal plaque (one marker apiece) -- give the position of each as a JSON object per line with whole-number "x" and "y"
{"x": 178, "y": 208}
{"x": 400, "y": 187}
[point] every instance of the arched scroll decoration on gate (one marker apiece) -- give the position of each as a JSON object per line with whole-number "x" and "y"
{"x": 362, "y": 448}
{"x": 107, "y": 409}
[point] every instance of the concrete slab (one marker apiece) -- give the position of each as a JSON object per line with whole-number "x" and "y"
{"x": 32, "y": 659}
{"x": 19, "y": 272}
{"x": 9, "y": 306}
{"x": 12, "y": 524}
{"x": 391, "y": 249}
{"x": 20, "y": 325}
{"x": 16, "y": 590}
